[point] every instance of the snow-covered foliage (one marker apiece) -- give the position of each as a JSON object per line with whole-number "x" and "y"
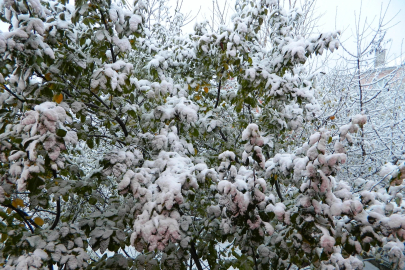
{"x": 125, "y": 144}
{"x": 362, "y": 100}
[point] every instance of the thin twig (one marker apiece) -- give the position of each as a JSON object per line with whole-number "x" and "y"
{"x": 222, "y": 135}
{"x": 43, "y": 210}
{"x": 123, "y": 249}
{"x": 14, "y": 95}
{"x": 106, "y": 137}
{"x": 106, "y": 28}
{"x": 23, "y": 216}
{"x": 123, "y": 127}
{"x": 388, "y": 174}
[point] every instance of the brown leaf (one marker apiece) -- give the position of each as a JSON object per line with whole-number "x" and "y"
{"x": 48, "y": 76}
{"x": 58, "y": 98}
{"x": 39, "y": 221}
{"x": 17, "y": 202}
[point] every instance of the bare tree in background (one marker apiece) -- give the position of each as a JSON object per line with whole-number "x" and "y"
{"x": 160, "y": 12}
{"x": 219, "y": 13}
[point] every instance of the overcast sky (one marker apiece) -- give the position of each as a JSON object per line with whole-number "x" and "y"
{"x": 347, "y": 10}
{"x": 341, "y": 12}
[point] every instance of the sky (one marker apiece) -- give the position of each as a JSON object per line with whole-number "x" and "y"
{"x": 346, "y": 12}
{"x": 335, "y": 15}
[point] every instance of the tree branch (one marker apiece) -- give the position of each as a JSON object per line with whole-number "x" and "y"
{"x": 200, "y": 231}
{"x": 119, "y": 121}
{"x": 106, "y": 28}
{"x": 254, "y": 258}
{"x": 195, "y": 257}
{"x": 14, "y": 95}
{"x": 222, "y": 135}
{"x": 23, "y": 215}
{"x": 106, "y": 137}
{"x": 278, "y": 191}
{"x": 91, "y": 105}
{"x": 55, "y": 222}
{"x": 43, "y": 210}
{"x": 219, "y": 91}
{"x": 123, "y": 127}
{"x": 210, "y": 147}
{"x": 123, "y": 249}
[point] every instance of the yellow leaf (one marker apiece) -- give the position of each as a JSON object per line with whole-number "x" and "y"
{"x": 48, "y": 76}
{"x": 275, "y": 177}
{"x": 17, "y": 202}
{"x": 332, "y": 117}
{"x": 195, "y": 151}
{"x": 198, "y": 97}
{"x": 58, "y": 98}
{"x": 206, "y": 89}
{"x": 39, "y": 221}
{"x": 198, "y": 87}
{"x": 9, "y": 210}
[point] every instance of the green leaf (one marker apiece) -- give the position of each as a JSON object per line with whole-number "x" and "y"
{"x": 61, "y": 132}
{"x": 92, "y": 201}
{"x": 90, "y": 143}
{"x": 398, "y": 200}
{"x": 250, "y": 101}
{"x": 34, "y": 183}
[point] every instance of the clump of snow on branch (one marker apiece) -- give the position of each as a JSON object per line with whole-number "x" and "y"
{"x": 43, "y": 128}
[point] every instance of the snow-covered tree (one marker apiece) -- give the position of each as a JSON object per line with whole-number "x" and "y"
{"x": 120, "y": 134}
{"x": 364, "y": 83}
